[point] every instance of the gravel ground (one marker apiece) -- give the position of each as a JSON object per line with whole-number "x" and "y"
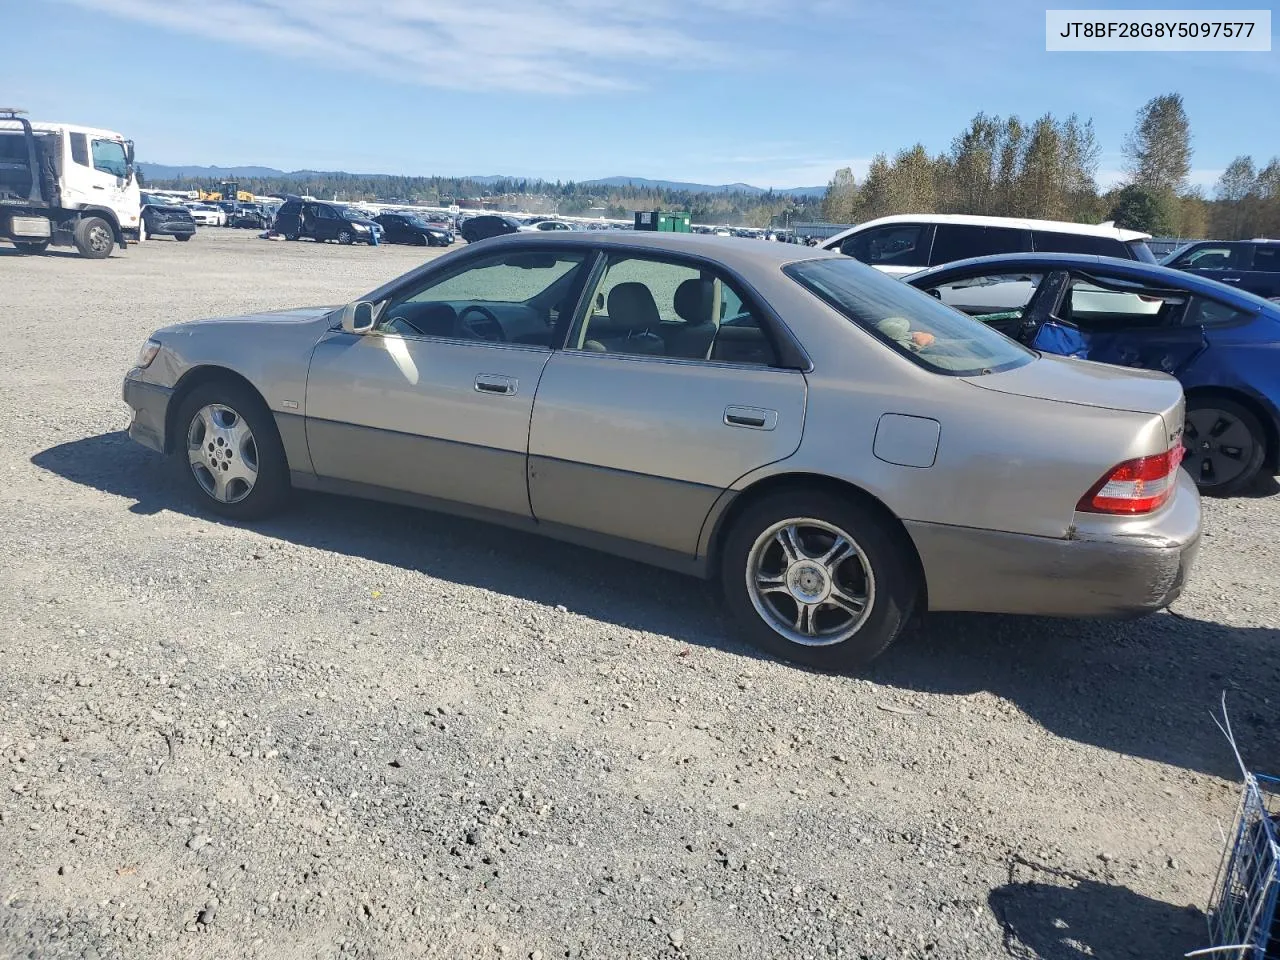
{"x": 367, "y": 731}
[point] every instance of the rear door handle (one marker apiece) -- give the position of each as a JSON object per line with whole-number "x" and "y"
{"x": 495, "y": 383}
{"x": 753, "y": 418}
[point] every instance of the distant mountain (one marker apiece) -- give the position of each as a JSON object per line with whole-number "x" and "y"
{"x": 702, "y": 187}
{"x": 160, "y": 171}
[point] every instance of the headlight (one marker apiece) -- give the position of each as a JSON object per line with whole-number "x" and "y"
{"x": 147, "y": 353}
{"x": 360, "y": 227}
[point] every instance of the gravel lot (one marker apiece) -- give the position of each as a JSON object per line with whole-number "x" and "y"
{"x": 366, "y": 731}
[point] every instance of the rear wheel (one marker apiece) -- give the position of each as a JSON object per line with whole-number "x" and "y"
{"x": 818, "y": 579}
{"x": 1225, "y": 446}
{"x": 232, "y": 452}
{"x": 31, "y": 246}
{"x": 94, "y": 238}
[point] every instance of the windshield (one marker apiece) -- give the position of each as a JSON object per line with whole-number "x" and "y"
{"x": 349, "y": 214}
{"x": 915, "y": 324}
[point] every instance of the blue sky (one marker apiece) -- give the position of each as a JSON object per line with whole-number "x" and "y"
{"x": 769, "y": 92}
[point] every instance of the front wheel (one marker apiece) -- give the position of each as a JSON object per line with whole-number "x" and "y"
{"x": 1225, "y": 446}
{"x": 233, "y": 457}
{"x": 345, "y": 237}
{"x": 818, "y": 579}
{"x": 94, "y": 238}
{"x": 182, "y": 237}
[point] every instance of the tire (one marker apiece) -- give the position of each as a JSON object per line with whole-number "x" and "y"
{"x": 31, "y": 246}
{"x": 230, "y": 407}
{"x": 94, "y": 238}
{"x": 879, "y": 569}
{"x": 291, "y": 236}
{"x": 346, "y": 237}
{"x": 182, "y": 237}
{"x": 1225, "y": 446}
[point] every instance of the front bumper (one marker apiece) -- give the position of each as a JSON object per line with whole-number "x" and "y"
{"x": 174, "y": 228}
{"x": 1126, "y": 571}
{"x": 150, "y": 406}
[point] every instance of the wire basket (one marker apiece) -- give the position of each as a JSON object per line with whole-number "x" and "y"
{"x": 1243, "y": 922}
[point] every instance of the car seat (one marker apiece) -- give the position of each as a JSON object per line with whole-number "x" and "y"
{"x": 694, "y": 303}
{"x": 629, "y": 325}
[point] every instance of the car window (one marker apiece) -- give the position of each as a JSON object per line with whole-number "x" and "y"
{"x": 646, "y": 306}
{"x": 325, "y": 213}
{"x": 910, "y": 321}
{"x": 1090, "y": 306}
{"x": 955, "y": 241}
{"x": 108, "y": 156}
{"x": 526, "y": 293}
{"x": 1203, "y": 312}
{"x": 1138, "y": 250}
{"x": 988, "y": 297}
{"x": 899, "y": 245}
{"x": 80, "y": 149}
{"x": 1048, "y": 241}
{"x": 1205, "y": 258}
{"x": 1266, "y": 259}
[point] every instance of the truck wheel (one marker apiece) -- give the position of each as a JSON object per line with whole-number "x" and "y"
{"x": 31, "y": 246}
{"x": 94, "y": 238}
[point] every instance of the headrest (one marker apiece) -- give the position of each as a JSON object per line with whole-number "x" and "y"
{"x": 631, "y": 308}
{"x": 694, "y": 298}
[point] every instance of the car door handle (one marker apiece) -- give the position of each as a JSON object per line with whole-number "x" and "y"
{"x": 753, "y": 418}
{"x": 1232, "y": 279}
{"x": 98, "y": 186}
{"x": 493, "y": 383}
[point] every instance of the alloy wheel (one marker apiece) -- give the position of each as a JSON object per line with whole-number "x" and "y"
{"x": 1219, "y": 448}
{"x": 223, "y": 453}
{"x": 99, "y": 238}
{"x": 810, "y": 582}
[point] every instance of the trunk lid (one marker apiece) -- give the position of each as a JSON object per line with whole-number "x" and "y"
{"x": 1093, "y": 385}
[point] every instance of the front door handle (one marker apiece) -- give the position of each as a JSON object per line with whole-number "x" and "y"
{"x": 495, "y": 383}
{"x": 1232, "y": 279}
{"x": 753, "y": 418}
{"x": 97, "y": 186}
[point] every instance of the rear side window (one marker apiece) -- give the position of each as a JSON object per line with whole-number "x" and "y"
{"x": 1138, "y": 250}
{"x": 80, "y": 149}
{"x": 1266, "y": 259}
{"x": 955, "y": 241}
{"x": 910, "y": 321}
{"x": 1052, "y": 242}
{"x": 896, "y": 245}
{"x": 1000, "y": 296}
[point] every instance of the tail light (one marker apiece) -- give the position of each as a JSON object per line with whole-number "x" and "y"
{"x": 1135, "y": 486}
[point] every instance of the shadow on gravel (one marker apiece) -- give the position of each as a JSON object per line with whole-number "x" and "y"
{"x": 1055, "y": 915}
{"x": 1143, "y": 687}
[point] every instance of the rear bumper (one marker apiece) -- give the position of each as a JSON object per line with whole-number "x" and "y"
{"x": 1127, "y": 571}
{"x": 150, "y": 406}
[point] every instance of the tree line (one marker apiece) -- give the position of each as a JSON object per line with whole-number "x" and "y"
{"x": 1048, "y": 168}
{"x": 733, "y": 207}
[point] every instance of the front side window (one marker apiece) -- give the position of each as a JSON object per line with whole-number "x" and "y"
{"x": 1209, "y": 257}
{"x": 989, "y": 297}
{"x": 109, "y": 157}
{"x": 955, "y": 241}
{"x": 649, "y": 307}
{"x": 1115, "y": 304}
{"x": 910, "y": 321}
{"x": 521, "y": 297}
{"x": 897, "y": 245}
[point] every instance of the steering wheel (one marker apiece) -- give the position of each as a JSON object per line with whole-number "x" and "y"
{"x": 472, "y": 328}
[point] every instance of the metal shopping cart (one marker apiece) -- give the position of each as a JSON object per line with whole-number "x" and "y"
{"x": 1243, "y": 921}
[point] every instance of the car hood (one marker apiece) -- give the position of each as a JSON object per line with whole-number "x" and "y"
{"x": 1090, "y": 384}
{"x": 296, "y": 315}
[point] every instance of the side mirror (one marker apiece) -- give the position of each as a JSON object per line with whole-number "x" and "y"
{"x": 357, "y": 317}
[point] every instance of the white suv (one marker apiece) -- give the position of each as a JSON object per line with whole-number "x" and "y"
{"x": 905, "y": 243}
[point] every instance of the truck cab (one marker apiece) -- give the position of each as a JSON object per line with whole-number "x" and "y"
{"x": 66, "y": 185}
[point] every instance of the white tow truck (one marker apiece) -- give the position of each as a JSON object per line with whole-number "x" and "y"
{"x": 66, "y": 185}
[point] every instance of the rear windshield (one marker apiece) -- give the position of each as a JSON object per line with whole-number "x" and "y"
{"x": 910, "y": 321}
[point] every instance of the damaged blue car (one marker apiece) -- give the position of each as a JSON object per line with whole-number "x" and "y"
{"x": 1222, "y": 343}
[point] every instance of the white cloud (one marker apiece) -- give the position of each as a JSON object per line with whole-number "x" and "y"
{"x": 547, "y": 46}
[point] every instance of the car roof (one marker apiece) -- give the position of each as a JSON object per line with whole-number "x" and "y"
{"x": 1108, "y": 229}
{"x": 1151, "y": 273}
{"x": 735, "y": 252}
